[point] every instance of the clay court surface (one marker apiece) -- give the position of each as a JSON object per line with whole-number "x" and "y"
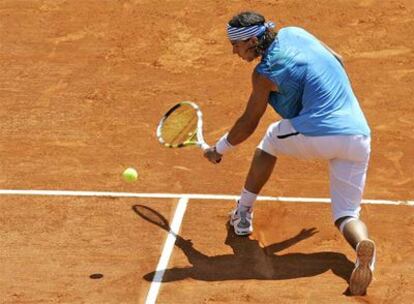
{"x": 83, "y": 85}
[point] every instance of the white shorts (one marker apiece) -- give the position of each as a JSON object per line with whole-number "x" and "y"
{"x": 348, "y": 158}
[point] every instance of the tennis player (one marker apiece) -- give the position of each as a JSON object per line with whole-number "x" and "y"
{"x": 305, "y": 82}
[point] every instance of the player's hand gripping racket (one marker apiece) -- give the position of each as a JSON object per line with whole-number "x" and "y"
{"x": 182, "y": 126}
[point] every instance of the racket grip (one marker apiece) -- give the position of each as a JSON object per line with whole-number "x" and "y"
{"x": 204, "y": 146}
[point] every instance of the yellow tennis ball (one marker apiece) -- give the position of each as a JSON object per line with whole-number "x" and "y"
{"x": 130, "y": 175}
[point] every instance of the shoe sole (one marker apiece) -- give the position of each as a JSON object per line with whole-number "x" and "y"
{"x": 361, "y": 276}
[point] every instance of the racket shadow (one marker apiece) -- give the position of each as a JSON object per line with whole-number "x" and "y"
{"x": 251, "y": 261}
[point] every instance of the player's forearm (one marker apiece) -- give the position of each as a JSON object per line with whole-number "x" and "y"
{"x": 241, "y": 130}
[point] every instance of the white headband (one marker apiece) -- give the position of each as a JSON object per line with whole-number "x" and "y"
{"x": 244, "y": 33}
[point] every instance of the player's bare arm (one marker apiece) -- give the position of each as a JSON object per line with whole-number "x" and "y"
{"x": 256, "y": 106}
{"x": 248, "y": 121}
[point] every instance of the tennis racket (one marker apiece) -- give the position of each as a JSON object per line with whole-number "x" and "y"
{"x": 182, "y": 126}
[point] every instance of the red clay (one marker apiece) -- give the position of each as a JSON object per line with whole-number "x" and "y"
{"x": 83, "y": 85}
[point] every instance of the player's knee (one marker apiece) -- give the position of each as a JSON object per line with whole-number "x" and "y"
{"x": 262, "y": 154}
{"x": 343, "y": 221}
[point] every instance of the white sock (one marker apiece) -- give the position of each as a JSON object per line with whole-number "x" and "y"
{"x": 247, "y": 199}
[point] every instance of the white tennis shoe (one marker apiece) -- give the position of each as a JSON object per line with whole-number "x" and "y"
{"x": 241, "y": 219}
{"x": 362, "y": 274}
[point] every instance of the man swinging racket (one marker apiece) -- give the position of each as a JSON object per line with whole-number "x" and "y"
{"x": 305, "y": 82}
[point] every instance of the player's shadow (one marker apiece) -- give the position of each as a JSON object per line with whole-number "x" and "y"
{"x": 251, "y": 261}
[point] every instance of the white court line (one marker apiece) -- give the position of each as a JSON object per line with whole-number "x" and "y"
{"x": 189, "y": 196}
{"x": 167, "y": 251}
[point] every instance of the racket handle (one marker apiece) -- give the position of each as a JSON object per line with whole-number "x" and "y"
{"x": 204, "y": 146}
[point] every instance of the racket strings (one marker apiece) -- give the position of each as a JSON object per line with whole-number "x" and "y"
{"x": 180, "y": 126}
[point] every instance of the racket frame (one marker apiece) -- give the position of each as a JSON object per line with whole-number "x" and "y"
{"x": 200, "y": 142}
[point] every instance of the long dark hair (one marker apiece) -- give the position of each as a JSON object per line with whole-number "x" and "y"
{"x": 245, "y": 19}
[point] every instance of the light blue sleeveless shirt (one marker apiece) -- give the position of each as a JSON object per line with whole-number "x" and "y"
{"x": 314, "y": 89}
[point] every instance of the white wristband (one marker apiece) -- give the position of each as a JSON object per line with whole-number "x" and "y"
{"x": 223, "y": 144}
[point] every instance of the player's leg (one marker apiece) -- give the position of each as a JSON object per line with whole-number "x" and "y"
{"x": 347, "y": 182}
{"x": 356, "y": 233}
{"x": 353, "y": 229}
{"x": 260, "y": 170}
{"x": 280, "y": 138}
